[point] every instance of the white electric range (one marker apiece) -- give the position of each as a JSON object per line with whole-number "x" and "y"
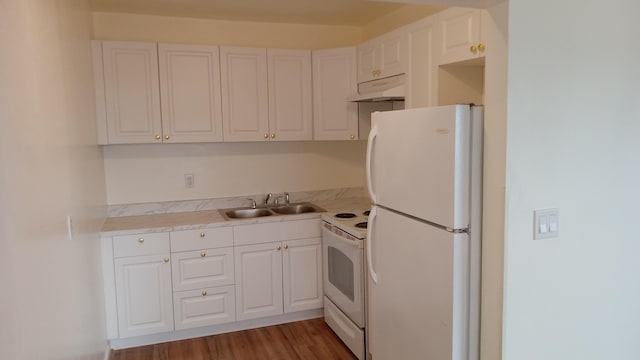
{"x": 343, "y": 236}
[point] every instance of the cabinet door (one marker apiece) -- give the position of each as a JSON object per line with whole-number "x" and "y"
{"x": 244, "y": 94}
{"x": 368, "y": 60}
{"x": 209, "y": 306}
{"x": 258, "y": 280}
{"x": 190, "y": 93}
{"x": 334, "y": 80}
{"x": 144, "y": 295}
{"x": 421, "y": 84}
{"x": 302, "y": 274}
{"x": 393, "y": 54}
{"x": 200, "y": 269}
{"x": 459, "y": 35}
{"x": 289, "y": 94}
{"x": 132, "y": 96}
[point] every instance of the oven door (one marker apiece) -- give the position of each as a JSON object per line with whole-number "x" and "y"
{"x": 344, "y": 273}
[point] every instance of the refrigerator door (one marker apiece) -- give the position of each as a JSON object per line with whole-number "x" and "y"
{"x": 418, "y": 163}
{"x": 418, "y": 301}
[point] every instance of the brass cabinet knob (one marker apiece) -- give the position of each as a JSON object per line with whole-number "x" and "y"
{"x": 273, "y": 136}
{"x": 203, "y": 254}
{"x": 204, "y": 292}
{"x": 286, "y": 246}
{"x": 473, "y": 49}
{"x": 157, "y": 137}
{"x": 266, "y": 136}
{"x": 352, "y": 137}
{"x": 202, "y": 234}
{"x": 481, "y": 47}
{"x": 373, "y": 72}
{"x": 278, "y": 247}
{"x": 141, "y": 240}
{"x": 166, "y": 137}
{"x": 166, "y": 259}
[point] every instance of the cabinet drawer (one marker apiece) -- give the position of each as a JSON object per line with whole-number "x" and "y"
{"x": 140, "y": 244}
{"x": 278, "y": 231}
{"x": 204, "y": 307}
{"x": 201, "y": 239}
{"x": 201, "y": 269}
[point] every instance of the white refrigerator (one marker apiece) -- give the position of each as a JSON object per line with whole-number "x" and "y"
{"x": 424, "y": 175}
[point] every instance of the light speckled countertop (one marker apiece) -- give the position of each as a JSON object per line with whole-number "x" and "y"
{"x": 202, "y": 219}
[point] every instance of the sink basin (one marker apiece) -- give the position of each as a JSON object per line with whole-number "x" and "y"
{"x": 250, "y": 213}
{"x": 294, "y": 209}
{"x": 247, "y": 213}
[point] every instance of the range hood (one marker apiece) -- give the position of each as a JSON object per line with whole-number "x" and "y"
{"x": 386, "y": 89}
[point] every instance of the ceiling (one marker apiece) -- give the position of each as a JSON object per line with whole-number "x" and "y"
{"x": 329, "y": 12}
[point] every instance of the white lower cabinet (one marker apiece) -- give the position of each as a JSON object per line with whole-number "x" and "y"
{"x": 258, "y": 280}
{"x": 203, "y": 277}
{"x": 143, "y": 295}
{"x": 209, "y": 306}
{"x": 202, "y": 268}
{"x": 302, "y": 274}
{"x": 160, "y": 282}
{"x": 278, "y": 277}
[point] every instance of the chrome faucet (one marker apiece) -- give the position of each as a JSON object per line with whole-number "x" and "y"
{"x": 253, "y": 203}
{"x": 266, "y": 200}
{"x": 286, "y": 198}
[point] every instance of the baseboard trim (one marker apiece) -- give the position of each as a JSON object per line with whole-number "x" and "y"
{"x": 117, "y": 344}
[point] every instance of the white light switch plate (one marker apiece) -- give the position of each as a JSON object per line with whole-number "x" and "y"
{"x": 546, "y": 224}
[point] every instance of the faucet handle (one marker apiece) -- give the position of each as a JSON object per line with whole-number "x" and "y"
{"x": 266, "y": 200}
{"x": 253, "y": 203}
{"x": 286, "y": 198}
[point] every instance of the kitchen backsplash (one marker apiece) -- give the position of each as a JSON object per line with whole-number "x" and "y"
{"x": 227, "y": 202}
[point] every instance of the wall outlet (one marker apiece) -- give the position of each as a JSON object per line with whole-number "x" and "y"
{"x": 546, "y": 224}
{"x": 189, "y": 181}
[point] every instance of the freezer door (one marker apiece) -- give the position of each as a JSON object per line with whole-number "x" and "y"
{"x": 418, "y": 294}
{"x": 418, "y": 163}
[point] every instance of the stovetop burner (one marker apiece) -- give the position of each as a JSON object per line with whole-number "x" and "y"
{"x": 366, "y": 213}
{"x": 345, "y": 215}
{"x": 361, "y": 225}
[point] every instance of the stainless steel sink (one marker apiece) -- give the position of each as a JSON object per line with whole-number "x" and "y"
{"x": 247, "y": 213}
{"x": 276, "y": 210}
{"x": 295, "y": 209}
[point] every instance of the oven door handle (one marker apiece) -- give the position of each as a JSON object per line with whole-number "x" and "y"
{"x": 354, "y": 243}
{"x": 369, "y": 244}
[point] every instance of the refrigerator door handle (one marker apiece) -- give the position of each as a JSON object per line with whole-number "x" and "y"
{"x": 369, "y": 244}
{"x": 373, "y": 134}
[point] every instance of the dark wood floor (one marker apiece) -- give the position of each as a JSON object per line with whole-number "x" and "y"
{"x": 309, "y": 339}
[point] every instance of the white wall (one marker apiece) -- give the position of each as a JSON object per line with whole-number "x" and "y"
{"x": 495, "y": 127}
{"x": 51, "y": 302}
{"x": 572, "y": 143}
{"x": 136, "y": 27}
{"x": 150, "y": 173}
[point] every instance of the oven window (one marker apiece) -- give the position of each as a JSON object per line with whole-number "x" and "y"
{"x": 341, "y": 272}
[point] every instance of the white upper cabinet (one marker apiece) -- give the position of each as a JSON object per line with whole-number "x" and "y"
{"x": 334, "y": 80}
{"x": 382, "y": 57}
{"x": 421, "y": 85}
{"x": 460, "y": 35}
{"x": 190, "y": 93}
{"x": 245, "y": 102}
{"x": 266, "y": 94}
{"x": 131, "y": 92}
{"x": 289, "y": 79}
{"x": 133, "y": 79}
